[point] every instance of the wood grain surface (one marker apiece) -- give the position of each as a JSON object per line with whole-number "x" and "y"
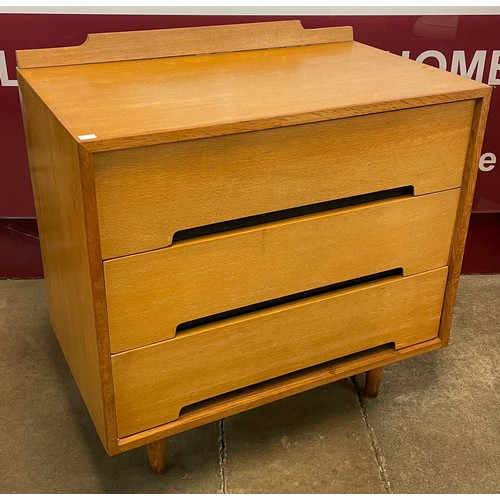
{"x": 195, "y": 183}
{"x": 463, "y": 214}
{"x": 157, "y": 456}
{"x": 373, "y": 380}
{"x": 152, "y": 44}
{"x": 150, "y": 294}
{"x": 134, "y": 103}
{"x": 153, "y": 383}
{"x": 272, "y": 390}
{"x": 60, "y": 207}
{"x": 96, "y": 274}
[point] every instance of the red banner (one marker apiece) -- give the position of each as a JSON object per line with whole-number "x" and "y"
{"x": 468, "y": 45}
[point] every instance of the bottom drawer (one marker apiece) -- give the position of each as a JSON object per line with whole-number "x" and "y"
{"x": 153, "y": 383}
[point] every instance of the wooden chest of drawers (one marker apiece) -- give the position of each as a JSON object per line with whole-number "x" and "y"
{"x": 229, "y": 215}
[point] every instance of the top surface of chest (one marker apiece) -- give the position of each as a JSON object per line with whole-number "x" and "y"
{"x": 201, "y": 94}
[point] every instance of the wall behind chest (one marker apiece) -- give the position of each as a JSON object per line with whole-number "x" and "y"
{"x": 465, "y": 44}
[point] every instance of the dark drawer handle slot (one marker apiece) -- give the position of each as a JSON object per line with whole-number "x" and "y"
{"x": 217, "y": 401}
{"x": 288, "y": 298}
{"x": 254, "y": 220}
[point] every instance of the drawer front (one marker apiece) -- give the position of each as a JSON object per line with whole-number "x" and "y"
{"x": 146, "y": 195}
{"x": 150, "y": 294}
{"x": 153, "y": 383}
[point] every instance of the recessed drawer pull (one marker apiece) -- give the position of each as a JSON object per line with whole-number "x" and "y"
{"x": 255, "y": 220}
{"x": 289, "y": 298}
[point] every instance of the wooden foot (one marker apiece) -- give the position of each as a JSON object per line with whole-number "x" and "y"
{"x": 372, "y": 382}
{"x": 157, "y": 456}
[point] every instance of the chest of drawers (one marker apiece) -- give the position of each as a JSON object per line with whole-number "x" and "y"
{"x": 230, "y": 215}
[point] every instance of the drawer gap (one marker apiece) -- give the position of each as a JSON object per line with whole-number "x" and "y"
{"x": 255, "y": 220}
{"x": 288, "y": 299}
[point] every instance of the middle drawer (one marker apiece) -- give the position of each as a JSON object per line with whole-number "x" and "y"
{"x": 149, "y": 295}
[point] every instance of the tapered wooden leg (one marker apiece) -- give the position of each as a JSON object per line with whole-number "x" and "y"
{"x": 157, "y": 456}
{"x": 372, "y": 382}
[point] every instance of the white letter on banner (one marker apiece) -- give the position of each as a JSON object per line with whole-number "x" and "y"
{"x": 459, "y": 65}
{"x": 495, "y": 66}
{"x": 487, "y": 162}
{"x": 439, "y": 56}
{"x": 4, "y": 76}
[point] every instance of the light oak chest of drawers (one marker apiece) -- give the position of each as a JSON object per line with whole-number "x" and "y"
{"x": 230, "y": 215}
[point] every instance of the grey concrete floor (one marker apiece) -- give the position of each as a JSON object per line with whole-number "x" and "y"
{"x": 435, "y": 427}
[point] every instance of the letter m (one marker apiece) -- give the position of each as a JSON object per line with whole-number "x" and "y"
{"x": 459, "y": 64}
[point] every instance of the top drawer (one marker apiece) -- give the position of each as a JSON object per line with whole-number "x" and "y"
{"x": 145, "y": 195}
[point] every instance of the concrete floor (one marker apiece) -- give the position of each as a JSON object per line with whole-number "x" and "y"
{"x": 435, "y": 428}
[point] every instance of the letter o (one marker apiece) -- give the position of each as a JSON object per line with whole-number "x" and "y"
{"x": 439, "y": 56}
